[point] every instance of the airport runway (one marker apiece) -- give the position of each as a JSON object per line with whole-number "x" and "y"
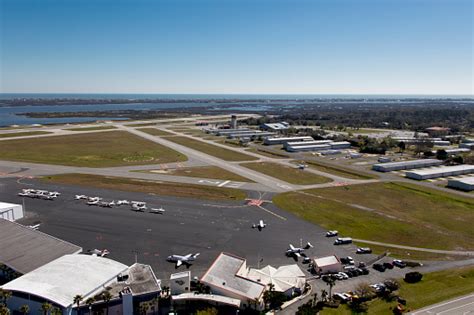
{"x": 461, "y": 305}
{"x": 188, "y": 226}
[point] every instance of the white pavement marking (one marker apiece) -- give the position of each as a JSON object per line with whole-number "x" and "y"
{"x": 205, "y": 181}
{"x": 273, "y": 213}
{"x": 427, "y": 309}
{"x": 223, "y": 183}
{"x": 455, "y": 308}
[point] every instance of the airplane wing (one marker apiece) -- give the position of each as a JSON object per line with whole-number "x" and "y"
{"x": 187, "y": 256}
{"x": 297, "y": 254}
{"x": 292, "y": 247}
{"x": 179, "y": 263}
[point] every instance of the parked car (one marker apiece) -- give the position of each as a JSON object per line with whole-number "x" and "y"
{"x": 362, "y": 264}
{"x": 363, "y": 250}
{"x": 347, "y": 260}
{"x": 343, "y": 297}
{"x": 365, "y": 271}
{"x": 343, "y": 240}
{"x": 388, "y": 265}
{"x": 331, "y": 233}
{"x": 343, "y": 275}
{"x": 379, "y": 267}
{"x": 378, "y": 287}
{"x": 399, "y": 263}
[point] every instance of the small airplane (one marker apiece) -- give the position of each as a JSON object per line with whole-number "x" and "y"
{"x": 106, "y": 204}
{"x": 46, "y": 197}
{"x": 93, "y": 203}
{"x": 260, "y": 225}
{"x": 26, "y": 194}
{"x": 179, "y": 260}
{"x": 138, "y": 208}
{"x": 94, "y": 199}
{"x": 122, "y": 202}
{"x": 302, "y": 166}
{"x": 138, "y": 203}
{"x": 54, "y": 194}
{"x": 34, "y": 227}
{"x": 98, "y": 252}
{"x": 80, "y": 197}
{"x": 157, "y": 210}
{"x": 296, "y": 252}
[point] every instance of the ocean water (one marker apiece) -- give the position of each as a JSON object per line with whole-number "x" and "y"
{"x": 11, "y": 115}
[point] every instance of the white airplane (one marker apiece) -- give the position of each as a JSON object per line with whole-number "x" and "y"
{"x": 157, "y": 210}
{"x": 260, "y": 225}
{"x": 80, "y": 197}
{"x": 296, "y": 252}
{"x": 106, "y": 204}
{"x": 179, "y": 260}
{"x": 54, "y": 193}
{"x": 93, "y": 203}
{"x": 138, "y": 208}
{"x": 302, "y": 166}
{"x": 98, "y": 252}
{"x": 94, "y": 198}
{"x": 26, "y": 194}
{"x": 138, "y": 203}
{"x": 122, "y": 202}
{"x": 34, "y": 227}
{"x": 46, "y": 197}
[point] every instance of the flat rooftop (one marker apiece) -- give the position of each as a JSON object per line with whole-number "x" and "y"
{"x": 24, "y": 249}
{"x": 412, "y": 162}
{"x": 465, "y": 180}
{"x": 141, "y": 280}
{"x": 7, "y": 205}
{"x": 443, "y": 169}
{"x": 326, "y": 261}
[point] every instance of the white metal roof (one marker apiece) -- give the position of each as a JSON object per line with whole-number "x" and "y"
{"x": 206, "y": 297}
{"x": 326, "y": 261}
{"x": 62, "y": 279}
{"x": 466, "y": 180}
{"x": 224, "y": 273}
{"x": 411, "y": 162}
{"x": 4, "y": 205}
{"x": 283, "y": 278}
{"x": 443, "y": 169}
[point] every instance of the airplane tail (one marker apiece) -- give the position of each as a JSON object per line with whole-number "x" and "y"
{"x": 195, "y": 255}
{"x": 308, "y": 245}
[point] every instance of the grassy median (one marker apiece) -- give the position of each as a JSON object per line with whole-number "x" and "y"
{"x": 92, "y": 128}
{"x": 23, "y": 134}
{"x": 213, "y": 150}
{"x": 211, "y": 172}
{"x": 146, "y": 186}
{"x": 156, "y": 132}
{"x": 336, "y": 170}
{"x": 396, "y": 213}
{"x": 101, "y": 149}
{"x": 289, "y": 174}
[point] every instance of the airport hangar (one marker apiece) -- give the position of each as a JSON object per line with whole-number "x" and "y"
{"x": 442, "y": 171}
{"x": 466, "y": 184}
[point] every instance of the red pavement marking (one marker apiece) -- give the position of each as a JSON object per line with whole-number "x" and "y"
{"x": 255, "y": 202}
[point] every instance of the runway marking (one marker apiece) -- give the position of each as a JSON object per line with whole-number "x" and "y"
{"x": 284, "y": 186}
{"x": 455, "y": 308}
{"x": 273, "y": 213}
{"x": 255, "y": 202}
{"x": 223, "y": 183}
{"x": 235, "y": 185}
{"x": 205, "y": 181}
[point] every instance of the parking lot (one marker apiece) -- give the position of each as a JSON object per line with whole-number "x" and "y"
{"x": 187, "y": 226}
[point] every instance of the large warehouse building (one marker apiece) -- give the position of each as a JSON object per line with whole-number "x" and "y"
{"x": 283, "y": 140}
{"x": 405, "y": 165}
{"x": 466, "y": 184}
{"x": 318, "y": 147}
{"x": 11, "y": 211}
{"x": 438, "y": 172}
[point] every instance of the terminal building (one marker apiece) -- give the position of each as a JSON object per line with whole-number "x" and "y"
{"x": 275, "y": 126}
{"x": 405, "y": 165}
{"x": 443, "y": 171}
{"x": 466, "y": 184}
{"x": 319, "y": 147}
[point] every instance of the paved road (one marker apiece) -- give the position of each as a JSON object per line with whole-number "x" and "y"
{"x": 461, "y": 305}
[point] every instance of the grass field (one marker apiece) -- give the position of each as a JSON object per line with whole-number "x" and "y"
{"x": 143, "y": 186}
{"x": 92, "y": 128}
{"x": 286, "y": 173}
{"x": 213, "y": 172}
{"x": 396, "y": 213}
{"x": 213, "y": 150}
{"x": 102, "y": 149}
{"x": 142, "y": 124}
{"x": 156, "y": 132}
{"x": 268, "y": 153}
{"x": 435, "y": 287}
{"x": 23, "y": 134}
{"x": 339, "y": 171}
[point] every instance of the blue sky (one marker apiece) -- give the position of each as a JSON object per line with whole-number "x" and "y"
{"x": 237, "y": 46}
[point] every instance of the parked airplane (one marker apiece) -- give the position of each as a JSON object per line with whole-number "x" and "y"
{"x": 260, "y": 225}
{"x": 296, "y": 252}
{"x": 93, "y": 203}
{"x": 179, "y": 260}
{"x": 122, "y": 202}
{"x": 157, "y": 210}
{"x": 98, "y": 252}
{"x": 106, "y": 204}
{"x": 34, "y": 227}
{"x": 138, "y": 208}
{"x": 94, "y": 198}
{"x": 80, "y": 197}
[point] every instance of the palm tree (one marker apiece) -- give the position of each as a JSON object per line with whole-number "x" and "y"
{"x": 324, "y": 295}
{"x": 89, "y": 303}
{"x": 5, "y": 295}
{"x": 24, "y": 309}
{"x": 46, "y": 307}
{"x": 56, "y": 311}
{"x": 77, "y": 300}
{"x": 106, "y": 296}
{"x": 330, "y": 281}
{"x": 4, "y": 310}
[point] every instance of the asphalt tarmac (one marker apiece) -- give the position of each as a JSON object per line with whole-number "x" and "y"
{"x": 187, "y": 226}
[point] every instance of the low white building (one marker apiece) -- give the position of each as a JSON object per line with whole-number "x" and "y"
{"x": 180, "y": 282}
{"x": 329, "y": 264}
{"x": 466, "y": 184}
{"x": 442, "y": 171}
{"x": 288, "y": 279}
{"x": 11, "y": 211}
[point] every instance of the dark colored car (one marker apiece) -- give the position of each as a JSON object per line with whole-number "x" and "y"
{"x": 379, "y": 267}
{"x": 388, "y": 265}
{"x": 399, "y": 263}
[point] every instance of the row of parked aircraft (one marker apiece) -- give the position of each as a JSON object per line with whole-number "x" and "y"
{"x": 138, "y": 206}
{"x": 40, "y": 194}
